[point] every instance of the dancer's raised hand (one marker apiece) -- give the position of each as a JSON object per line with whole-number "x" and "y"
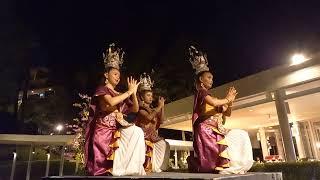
{"x": 232, "y": 93}
{"x": 132, "y": 85}
{"x": 161, "y": 101}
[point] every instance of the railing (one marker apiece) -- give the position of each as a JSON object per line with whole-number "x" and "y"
{"x": 63, "y": 141}
{"x": 32, "y": 140}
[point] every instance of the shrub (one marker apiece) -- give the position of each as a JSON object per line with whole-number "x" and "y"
{"x": 291, "y": 170}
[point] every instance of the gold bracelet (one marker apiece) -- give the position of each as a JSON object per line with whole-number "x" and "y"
{"x": 128, "y": 93}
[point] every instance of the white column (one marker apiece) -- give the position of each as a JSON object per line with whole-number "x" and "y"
{"x": 29, "y": 163}
{"x": 313, "y": 140}
{"x": 284, "y": 125}
{"x": 263, "y": 141}
{"x": 176, "y": 159}
{"x": 62, "y": 160}
{"x": 183, "y": 134}
{"x": 77, "y": 166}
{"x": 13, "y": 168}
{"x": 184, "y": 139}
{"x": 279, "y": 144}
{"x": 296, "y": 134}
{"x": 48, "y": 165}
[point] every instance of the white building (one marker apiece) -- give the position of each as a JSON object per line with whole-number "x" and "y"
{"x": 279, "y": 107}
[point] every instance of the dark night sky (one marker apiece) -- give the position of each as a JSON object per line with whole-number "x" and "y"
{"x": 240, "y": 37}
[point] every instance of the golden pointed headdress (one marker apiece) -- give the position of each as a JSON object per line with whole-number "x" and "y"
{"x": 198, "y": 60}
{"x": 113, "y": 57}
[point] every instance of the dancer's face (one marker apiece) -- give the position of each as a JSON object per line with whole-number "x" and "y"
{"x": 147, "y": 97}
{"x": 113, "y": 76}
{"x": 206, "y": 79}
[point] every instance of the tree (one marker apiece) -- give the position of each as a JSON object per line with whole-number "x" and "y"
{"x": 78, "y": 126}
{"x": 49, "y": 111}
{"x": 14, "y": 49}
{"x": 173, "y": 76}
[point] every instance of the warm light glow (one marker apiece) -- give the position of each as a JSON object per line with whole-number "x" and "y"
{"x": 250, "y": 110}
{"x": 297, "y": 59}
{"x": 59, "y": 127}
{"x": 258, "y": 136}
{"x": 303, "y": 74}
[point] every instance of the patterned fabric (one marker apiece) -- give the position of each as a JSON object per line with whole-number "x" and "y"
{"x": 208, "y": 137}
{"x": 103, "y": 133}
{"x": 156, "y": 151}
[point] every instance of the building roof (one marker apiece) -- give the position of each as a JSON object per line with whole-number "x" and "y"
{"x": 36, "y": 139}
{"x": 251, "y": 87}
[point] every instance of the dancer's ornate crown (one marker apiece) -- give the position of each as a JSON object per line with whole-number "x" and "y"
{"x": 113, "y": 57}
{"x": 198, "y": 60}
{"x": 145, "y": 82}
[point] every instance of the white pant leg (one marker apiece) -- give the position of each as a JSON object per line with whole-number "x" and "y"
{"x": 239, "y": 151}
{"x": 130, "y": 155}
{"x": 160, "y": 156}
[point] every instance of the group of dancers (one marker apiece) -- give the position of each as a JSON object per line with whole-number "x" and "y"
{"x": 122, "y": 134}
